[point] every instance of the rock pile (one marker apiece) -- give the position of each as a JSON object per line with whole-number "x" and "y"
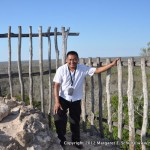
{"x": 24, "y": 128}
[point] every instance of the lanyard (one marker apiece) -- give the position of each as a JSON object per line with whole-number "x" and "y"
{"x": 71, "y": 76}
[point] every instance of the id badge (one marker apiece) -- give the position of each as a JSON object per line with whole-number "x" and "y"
{"x": 70, "y": 91}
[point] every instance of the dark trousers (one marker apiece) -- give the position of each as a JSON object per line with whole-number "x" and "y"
{"x": 74, "y": 118}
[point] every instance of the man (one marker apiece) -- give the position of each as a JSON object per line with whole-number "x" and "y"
{"x": 68, "y": 85}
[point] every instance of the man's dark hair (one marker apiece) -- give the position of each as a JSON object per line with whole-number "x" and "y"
{"x": 72, "y": 53}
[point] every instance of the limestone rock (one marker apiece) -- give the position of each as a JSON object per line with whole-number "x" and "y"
{"x": 24, "y": 128}
{"x": 11, "y": 103}
{"x": 4, "y": 110}
{"x": 15, "y": 110}
{"x": 24, "y": 138}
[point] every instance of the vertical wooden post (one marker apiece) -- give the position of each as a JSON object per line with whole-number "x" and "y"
{"x": 92, "y": 99}
{"x": 50, "y": 78}
{"x": 120, "y": 100}
{"x": 9, "y": 61}
{"x": 41, "y": 67}
{"x": 100, "y": 101}
{"x": 83, "y": 105}
{"x": 145, "y": 107}
{"x": 30, "y": 68}
{"x": 131, "y": 104}
{"x": 108, "y": 98}
{"x": 19, "y": 63}
{"x": 63, "y": 46}
{"x": 56, "y": 48}
{"x": 66, "y": 38}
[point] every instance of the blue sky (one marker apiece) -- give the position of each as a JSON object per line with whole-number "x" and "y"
{"x": 108, "y": 28}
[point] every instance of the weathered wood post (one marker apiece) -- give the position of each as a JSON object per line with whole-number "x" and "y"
{"x": 92, "y": 99}
{"x": 108, "y": 76}
{"x": 56, "y": 48}
{"x": 120, "y": 100}
{"x": 100, "y": 89}
{"x": 145, "y": 107}
{"x": 19, "y": 63}
{"x": 83, "y": 104}
{"x": 9, "y": 61}
{"x": 66, "y": 38}
{"x": 30, "y": 68}
{"x": 50, "y": 77}
{"x": 41, "y": 67}
{"x": 131, "y": 104}
{"x": 64, "y": 44}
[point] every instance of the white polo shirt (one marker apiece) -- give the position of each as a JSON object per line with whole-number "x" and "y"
{"x": 63, "y": 77}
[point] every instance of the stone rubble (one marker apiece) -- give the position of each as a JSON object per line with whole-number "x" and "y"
{"x": 24, "y": 128}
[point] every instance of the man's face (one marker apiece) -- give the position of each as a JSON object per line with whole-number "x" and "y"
{"x": 72, "y": 61}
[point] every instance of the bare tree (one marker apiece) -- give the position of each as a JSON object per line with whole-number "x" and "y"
{"x": 146, "y": 51}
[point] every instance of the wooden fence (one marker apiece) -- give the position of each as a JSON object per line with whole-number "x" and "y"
{"x": 40, "y": 35}
{"x": 130, "y": 63}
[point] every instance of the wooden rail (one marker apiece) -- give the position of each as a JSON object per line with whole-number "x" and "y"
{"x": 15, "y": 35}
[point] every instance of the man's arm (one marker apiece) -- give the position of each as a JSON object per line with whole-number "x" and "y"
{"x": 56, "y": 97}
{"x": 104, "y": 68}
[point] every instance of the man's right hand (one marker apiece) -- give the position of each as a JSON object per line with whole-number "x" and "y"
{"x": 57, "y": 105}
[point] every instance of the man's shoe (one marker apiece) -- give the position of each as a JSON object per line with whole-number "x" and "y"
{"x": 78, "y": 145}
